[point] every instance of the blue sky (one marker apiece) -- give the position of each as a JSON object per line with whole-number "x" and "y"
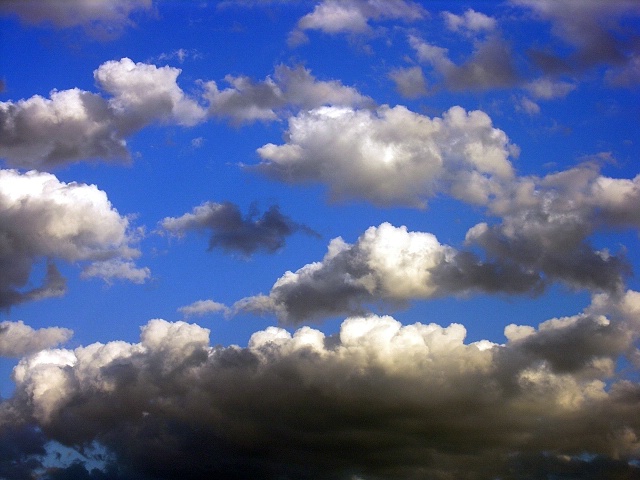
{"x": 319, "y": 239}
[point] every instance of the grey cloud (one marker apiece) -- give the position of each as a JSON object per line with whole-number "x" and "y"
{"x": 232, "y": 231}
{"x": 42, "y": 218}
{"x": 410, "y": 82}
{"x": 377, "y": 400}
{"x": 102, "y": 18}
{"x": 247, "y": 101}
{"x": 386, "y": 264}
{"x": 74, "y": 125}
{"x": 490, "y": 66}
{"x": 18, "y": 339}
{"x": 591, "y": 27}
{"x": 547, "y": 222}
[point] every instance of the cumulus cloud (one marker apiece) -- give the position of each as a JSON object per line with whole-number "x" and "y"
{"x": 74, "y": 125}
{"x": 246, "y": 100}
{"x": 376, "y": 400}
{"x": 410, "y": 82}
{"x": 203, "y": 307}
{"x": 490, "y": 66}
{"x": 18, "y": 339}
{"x": 232, "y": 231}
{"x": 547, "y": 222}
{"x": 547, "y": 89}
{"x": 386, "y": 264}
{"x": 591, "y": 27}
{"x": 103, "y": 18}
{"x": 43, "y": 218}
{"x": 353, "y": 16}
{"x": 392, "y": 156}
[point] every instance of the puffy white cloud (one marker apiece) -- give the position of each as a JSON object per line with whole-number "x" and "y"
{"x": 203, "y": 307}
{"x": 490, "y": 66}
{"x": 352, "y": 16}
{"x": 388, "y": 264}
{"x": 376, "y": 400}
{"x": 232, "y": 231}
{"x": 18, "y": 339}
{"x": 104, "y": 18}
{"x": 392, "y": 156}
{"x": 247, "y": 101}
{"x": 144, "y": 93}
{"x": 74, "y": 125}
{"x": 43, "y": 218}
{"x": 470, "y": 21}
{"x": 117, "y": 269}
{"x": 410, "y": 82}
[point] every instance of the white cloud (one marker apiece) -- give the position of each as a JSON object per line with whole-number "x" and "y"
{"x": 18, "y": 339}
{"x": 417, "y": 395}
{"x": 392, "y": 156}
{"x": 352, "y": 16}
{"x": 528, "y": 106}
{"x": 43, "y": 218}
{"x": 386, "y": 264}
{"x": 470, "y": 20}
{"x": 144, "y": 93}
{"x": 203, "y": 307}
{"x": 74, "y": 125}
{"x": 117, "y": 269}
{"x": 547, "y": 89}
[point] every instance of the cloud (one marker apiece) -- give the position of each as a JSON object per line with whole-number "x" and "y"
{"x": 233, "y": 232}
{"x": 203, "y": 307}
{"x": 18, "y": 339}
{"x": 548, "y": 89}
{"x": 353, "y": 16}
{"x": 590, "y": 26}
{"x": 376, "y": 400}
{"x": 101, "y": 18}
{"x": 74, "y": 125}
{"x": 490, "y": 66}
{"x": 386, "y": 264}
{"x": 248, "y": 101}
{"x": 528, "y": 106}
{"x": 470, "y": 21}
{"x": 395, "y": 156}
{"x": 43, "y": 218}
{"x": 547, "y": 222}
{"x": 410, "y": 82}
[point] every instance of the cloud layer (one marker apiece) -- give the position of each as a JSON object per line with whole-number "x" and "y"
{"x": 379, "y": 399}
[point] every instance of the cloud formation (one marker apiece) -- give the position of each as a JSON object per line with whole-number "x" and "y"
{"x": 377, "y": 400}
{"x": 392, "y": 156}
{"x": 290, "y": 88}
{"x": 102, "y": 18}
{"x": 42, "y": 218}
{"x": 203, "y": 307}
{"x": 353, "y": 16}
{"x": 18, "y": 340}
{"x": 74, "y": 125}
{"x": 386, "y": 264}
{"x": 232, "y": 231}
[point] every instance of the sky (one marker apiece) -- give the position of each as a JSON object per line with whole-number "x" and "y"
{"x": 291, "y": 239}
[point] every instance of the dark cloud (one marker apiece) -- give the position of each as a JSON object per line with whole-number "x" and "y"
{"x": 376, "y": 401}
{"x": 232, "y": 231}
{"x": 104, "y": 19}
